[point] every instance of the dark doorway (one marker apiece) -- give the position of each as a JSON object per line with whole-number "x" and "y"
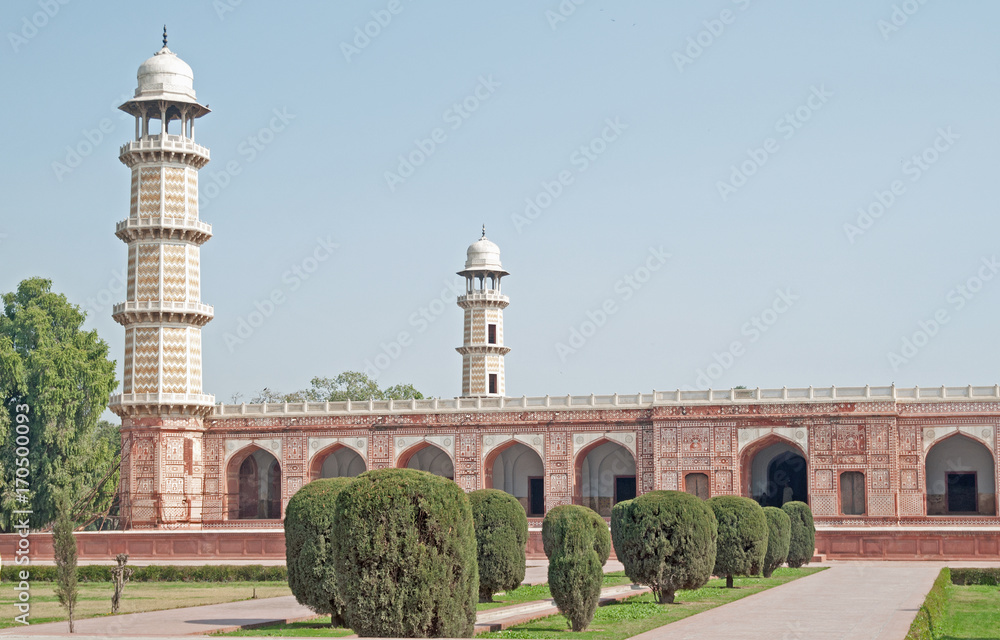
{"x": 624, "y": 488}
{"x": 852, "y": 493}
{"x": 536, "y": 496}
{"x": 493, "y": 383}
{"x": 962, "y": 493}
{"x": 786, "y": 480}
{"x": 249, "y": 489}
{"x": 697, "y": 484}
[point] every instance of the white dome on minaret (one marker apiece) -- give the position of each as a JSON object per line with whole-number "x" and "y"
{"x": 483, "y": 255}
{"x": 164, "y": 76}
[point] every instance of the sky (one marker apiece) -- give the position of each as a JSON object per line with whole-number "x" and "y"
{"x": 685, "y": 194}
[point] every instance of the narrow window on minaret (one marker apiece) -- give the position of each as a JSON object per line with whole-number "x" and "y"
{"x": 493, "y": 334}
{"x": 493, "y": 382}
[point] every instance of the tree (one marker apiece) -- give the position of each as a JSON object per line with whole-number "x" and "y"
{"x": 64, "y": 549}
{"x": 405, "y": 554}
{"x": 349, "y": 385}
{"x": 666, "y": 540}
{"x": 742, "y": 540}
{"x": 803, "y": 538}
{"x": 61, "y": 377}
{"x": 501, "y": 537}
{"x": 577, "y": 544}
{"x": 779, "y": 531}
{"x": 312, "y": 575}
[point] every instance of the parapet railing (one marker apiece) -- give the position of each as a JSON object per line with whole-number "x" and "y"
{"x": 166, "y": 142}
{"x": 627, "y": 401}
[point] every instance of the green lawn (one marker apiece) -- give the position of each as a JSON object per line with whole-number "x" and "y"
{"x": 972, "y": 612}
{"x": 95, "y": 598}
{"x": 641, "y": 613}
{"x": 620, "y": 620}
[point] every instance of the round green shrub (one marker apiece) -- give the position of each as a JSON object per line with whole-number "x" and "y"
{"x": 803, "y": 539}
{"x": 577, "y": 543}
{"x": 405, "y": 550}
{"x": 501, "y": 538}
{"x": 666, "y": 540}
{"x": 308, "y": 549}
{"x": 779, "y": 532}
{"x": 742, "y": 540}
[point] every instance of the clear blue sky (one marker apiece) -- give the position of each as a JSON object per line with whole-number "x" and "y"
{"x": 864, "y": 98}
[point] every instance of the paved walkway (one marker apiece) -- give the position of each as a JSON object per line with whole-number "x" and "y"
{"x": 848, "y": 601}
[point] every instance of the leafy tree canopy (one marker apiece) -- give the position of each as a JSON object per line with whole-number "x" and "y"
{"x": 56, "y": 378}
{"x": 349, "y": 385}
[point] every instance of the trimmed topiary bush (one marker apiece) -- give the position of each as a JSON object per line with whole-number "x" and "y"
{"x": 803, "y": 540}
{"x": 779, "y": 533}
{"x": 501, "y": 538}
{"x": 405, "y": 550}
{"x": 577, "y": 543}
{"x": 742, "y": 540}
{"x": 666, "y": 540}
{"x": 309, "y": 548}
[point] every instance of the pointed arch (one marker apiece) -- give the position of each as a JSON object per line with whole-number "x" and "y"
{"x": 516, "y": 468}
{"x": 347, "y": 462}
{"x": 771, "y": 466}
{"x": 960, "y": 477}
{"x": 428, "y": 456}
{"x": 603, "y": 475}
{"x": 253, "y": 485}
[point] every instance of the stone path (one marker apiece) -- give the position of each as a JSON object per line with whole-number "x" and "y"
{"x": 848, "y": 601}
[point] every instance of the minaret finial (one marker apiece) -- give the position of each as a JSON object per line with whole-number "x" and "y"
{"x": 484, "y": 229}
{"x": 164, "y": 36}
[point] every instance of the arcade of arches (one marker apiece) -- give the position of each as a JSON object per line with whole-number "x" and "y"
{"x": 955, "y": 476}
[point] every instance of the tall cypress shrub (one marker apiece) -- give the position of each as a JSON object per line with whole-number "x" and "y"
{"x": 577, "y": 544}
{"x": 779, "y": 532}
{"x": 405, "y": 555}
{"x": 501, "y": 537}
{"x": 666, "y": 540}
{"x": 803, "y": 539}
{"x": 742, "y": 540}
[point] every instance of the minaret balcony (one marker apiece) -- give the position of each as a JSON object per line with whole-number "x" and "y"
{"x": 483, "y": 350}
{"x": 164, "y": 147}
{"x": 134, "y": 311}
{"x": 483, "y": 298}
{"x": 161, "y": 404}
{"x": 167, "y": 228}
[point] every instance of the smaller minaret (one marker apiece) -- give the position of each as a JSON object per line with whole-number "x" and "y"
{"x": 483, "y": 350}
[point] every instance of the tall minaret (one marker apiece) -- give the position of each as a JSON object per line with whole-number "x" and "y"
{"x": 483, "y": 350}
{"x": 162, "y": 405}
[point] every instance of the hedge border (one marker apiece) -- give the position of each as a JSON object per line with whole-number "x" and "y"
{"x": 157, "y": 573}
{"x": 988, "y": 577}
{"x": 932, "y": 609}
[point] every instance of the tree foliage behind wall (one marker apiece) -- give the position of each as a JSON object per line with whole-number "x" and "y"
{"x": 63, "y": 376}
{"x": 349, "y": 385}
